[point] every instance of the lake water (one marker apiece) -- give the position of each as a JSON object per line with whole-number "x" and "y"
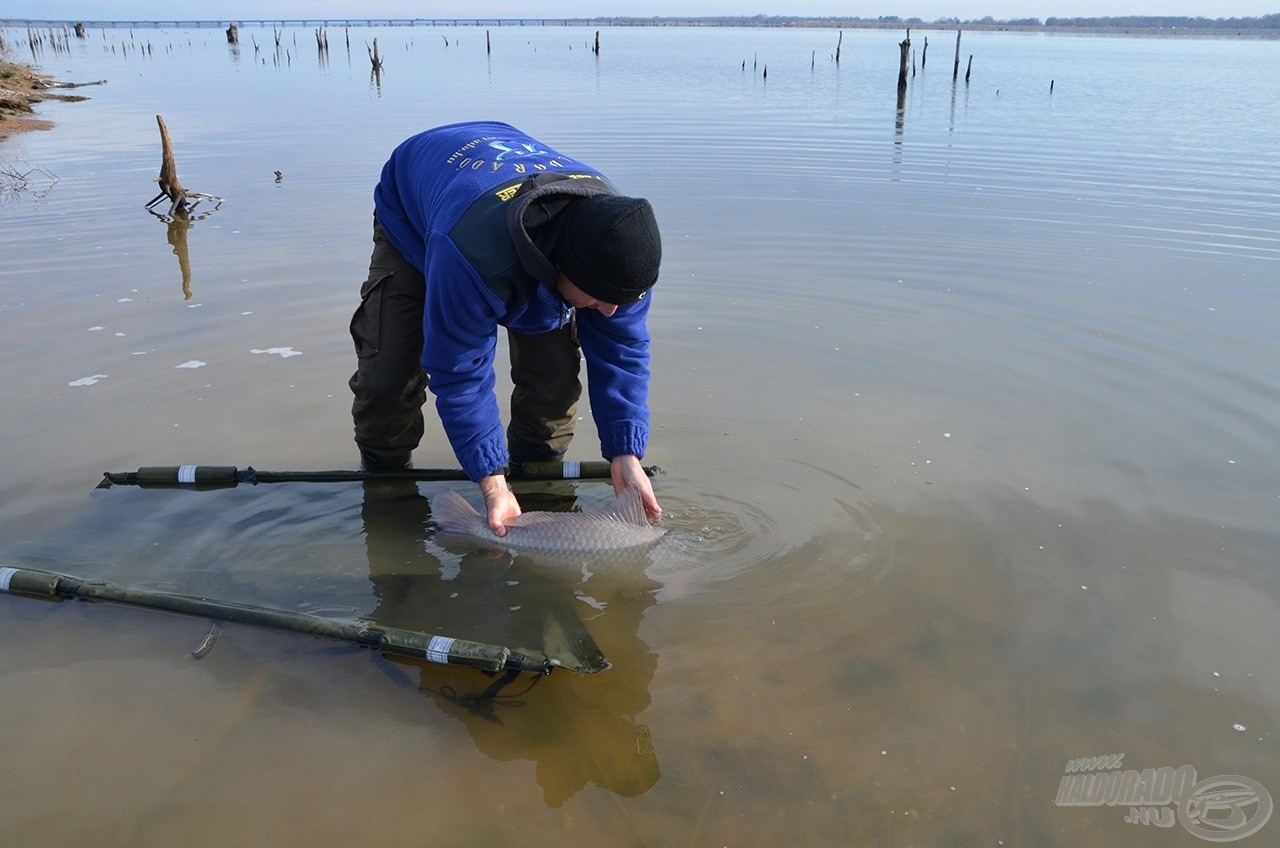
{"x": 968, "y": 407}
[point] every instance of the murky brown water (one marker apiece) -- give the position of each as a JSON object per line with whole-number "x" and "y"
{"x": 967, "y": 412}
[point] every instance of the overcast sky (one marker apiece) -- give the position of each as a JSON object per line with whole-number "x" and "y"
{"x": 928, "y": 10}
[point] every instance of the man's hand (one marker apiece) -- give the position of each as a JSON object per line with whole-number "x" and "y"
{"x": 500, "y": 503}
{"x": 625, "y": 470}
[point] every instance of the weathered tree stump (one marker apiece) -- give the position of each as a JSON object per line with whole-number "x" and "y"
{"x": 233, "y": 34}
{"x": 904, "y": 53}
{"x": 169, "y": 186}
{"x": 79, "y": 30}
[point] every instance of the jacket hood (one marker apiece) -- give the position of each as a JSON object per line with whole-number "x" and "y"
{"x": 534, "y": 220}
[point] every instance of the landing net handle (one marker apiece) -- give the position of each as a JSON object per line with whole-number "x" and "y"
{"x": 394, "y": 641}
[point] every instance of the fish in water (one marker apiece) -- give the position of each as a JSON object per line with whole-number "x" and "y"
{"x": 621, "y": 526}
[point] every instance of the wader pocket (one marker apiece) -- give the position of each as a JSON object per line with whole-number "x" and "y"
{"x": 366, "y": 323}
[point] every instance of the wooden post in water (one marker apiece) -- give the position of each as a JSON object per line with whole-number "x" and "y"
{"x": 955, "y": 69}
{"x": 596, "y": 48}
{"x": 233, "y": 34}
{"x": 904, "y": 51}
{"x": 374, "y": 58}
{"x": 968, "y": 70}
{"x": 839, "y": 41}
{"x": 924, "y": 54}
{"x": 79, "y": 30}
{"x": 488, "y": 48}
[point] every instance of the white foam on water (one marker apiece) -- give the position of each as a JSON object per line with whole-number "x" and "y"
{"x": 87, "y": 381}
{"x": 192, "y": 363}
{"x": 284, "y": 352}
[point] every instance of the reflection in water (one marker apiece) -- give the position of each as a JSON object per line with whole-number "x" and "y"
{"x": 951, "y": 124}
{"x": 177, "y": 237}
{"x": 322, "y": 49}
{"x": 898, "y": 124}
{"x": 179, "y": 221}
{"x": 577, "y": 729}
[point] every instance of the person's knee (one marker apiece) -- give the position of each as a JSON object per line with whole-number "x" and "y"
{"x": 389, "y": 388}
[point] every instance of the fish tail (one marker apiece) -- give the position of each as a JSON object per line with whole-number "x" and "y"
{"x": 452, "y": 512}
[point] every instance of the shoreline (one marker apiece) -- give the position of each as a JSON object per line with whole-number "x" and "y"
{"x": 21, "y": 89}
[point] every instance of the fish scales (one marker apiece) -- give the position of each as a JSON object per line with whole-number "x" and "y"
{"x": 622, "y": 525}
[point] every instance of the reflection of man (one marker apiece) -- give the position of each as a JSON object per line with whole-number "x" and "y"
{"x": 478, "y": 226}
{"x": 578, "y": 729}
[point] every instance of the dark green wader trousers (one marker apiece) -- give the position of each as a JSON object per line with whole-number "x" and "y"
{"x": 390, "y": 386}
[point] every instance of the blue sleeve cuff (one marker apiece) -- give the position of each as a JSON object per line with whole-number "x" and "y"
{"x": 626, "y": 438}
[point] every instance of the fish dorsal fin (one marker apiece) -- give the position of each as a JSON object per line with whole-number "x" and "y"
{"x": 626, "y": 508}
{"x": 452, "y": 512}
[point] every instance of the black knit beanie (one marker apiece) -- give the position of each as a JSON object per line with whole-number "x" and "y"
{"x": 609, "y": 247}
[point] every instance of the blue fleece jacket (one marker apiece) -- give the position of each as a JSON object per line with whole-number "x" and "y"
{"x": 460, "y": 202}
